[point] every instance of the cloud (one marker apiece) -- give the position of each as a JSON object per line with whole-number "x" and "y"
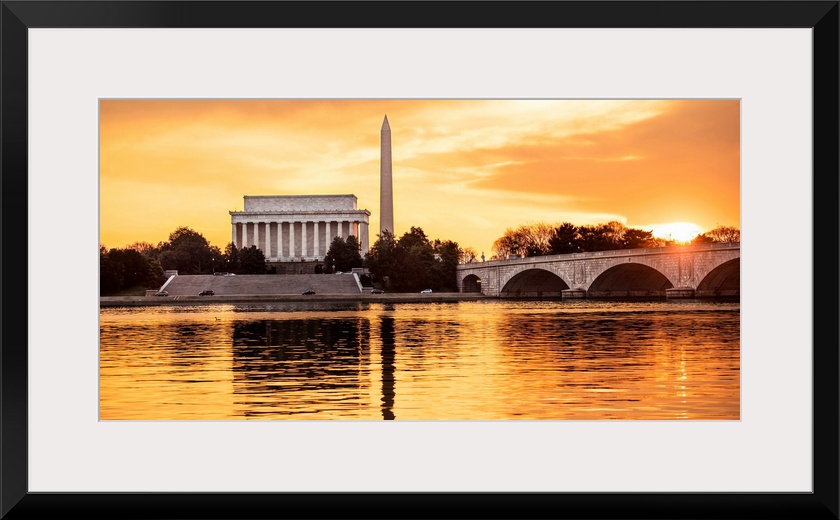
{"x": 464, "y": 168}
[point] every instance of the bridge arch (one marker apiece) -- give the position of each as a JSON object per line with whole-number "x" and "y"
{"x": 723, "y": 280}
{"x": 716, "y": 266}
{"x": 471, "y": 284}
{"x": 534, "y": 283}
{"x": 629, "y": 280}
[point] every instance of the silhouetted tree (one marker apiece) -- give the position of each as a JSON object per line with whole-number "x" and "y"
{"x": 564, "y": 239}
{"x": 444, "y": 272}
{"x": 592, "y": 238}
{"x": 144, "y": 248}
{"x": 703, "y": 239}
{"x": 468, "y": 254}
{"x": 526, "y": 240}
{"x": 126, "y": 269}
{"x": 251, "y": 260}
{"x": 155, "y": 276}
{"x": 343, "y": 254}
{"x": 724, "y": 234}
{"x": 415, "y": 258}
{"x": 381, "y": 260}
{"x": 189, "y": 252}
{"x": 230, "y": 258}
{"x": 413, "y": 263}
{"x": 636, "y": 238}
{"x": 613, "y": 234}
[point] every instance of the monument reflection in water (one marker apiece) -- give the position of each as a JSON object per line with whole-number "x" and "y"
{"x": 487, "y": 360}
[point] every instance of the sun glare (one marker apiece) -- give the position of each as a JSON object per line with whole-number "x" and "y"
{"x": 682, "y": 232}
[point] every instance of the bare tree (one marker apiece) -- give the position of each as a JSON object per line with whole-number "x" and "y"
{"x": 724, "y": 234}
{"x": 468, "y": 254}
{"x": 526, "y": 240}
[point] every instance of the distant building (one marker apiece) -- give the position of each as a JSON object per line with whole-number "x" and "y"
{"x": 294, "y": 232}
{"x": 298, "y": 228}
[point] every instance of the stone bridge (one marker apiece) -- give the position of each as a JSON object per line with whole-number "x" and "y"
{"x": 689, "y": 271}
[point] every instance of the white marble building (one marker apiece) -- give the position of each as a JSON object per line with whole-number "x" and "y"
{"x": 298, "y": 227}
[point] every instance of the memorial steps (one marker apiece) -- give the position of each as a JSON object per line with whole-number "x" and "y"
{"x": 262, "y": 284}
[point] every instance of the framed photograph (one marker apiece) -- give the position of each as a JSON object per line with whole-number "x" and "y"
{"x": 76, "y": 438}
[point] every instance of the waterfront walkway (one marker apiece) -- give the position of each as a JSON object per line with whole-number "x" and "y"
{"x": 137, "y": 301}
{"x": 257, "y": 288}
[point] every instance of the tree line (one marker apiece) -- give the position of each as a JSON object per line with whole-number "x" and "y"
{"x": 143, "y": 265}
{"x": 414, "y": 262}
{"x": 547, "y": 239}
{"x": 411, "y": 263}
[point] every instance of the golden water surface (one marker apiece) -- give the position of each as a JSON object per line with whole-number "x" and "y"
{"x": 485, "y": 360}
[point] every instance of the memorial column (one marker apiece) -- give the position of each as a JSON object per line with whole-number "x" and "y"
{"x": 315, "y": 243}
{"x": 303, "y": 239}
{"x": 269, "y": 244}
{"x": 279, "y": 240}
{"x": 289, "y": 238}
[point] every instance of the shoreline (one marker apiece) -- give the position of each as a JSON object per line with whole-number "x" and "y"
{"x": 231, "y": 299}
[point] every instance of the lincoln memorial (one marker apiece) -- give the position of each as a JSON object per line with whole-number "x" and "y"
{"x": 294, "y": 228}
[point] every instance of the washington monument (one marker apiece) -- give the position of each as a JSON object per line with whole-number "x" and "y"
{"x": 386, "y": 192}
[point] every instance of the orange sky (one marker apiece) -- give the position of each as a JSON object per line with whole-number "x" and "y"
{"x": 463, "y": 170}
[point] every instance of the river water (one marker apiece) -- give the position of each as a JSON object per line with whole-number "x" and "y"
{"x": 480, "y": 360}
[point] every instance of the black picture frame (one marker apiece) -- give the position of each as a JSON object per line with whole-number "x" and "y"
{"x": 19, "y": 16}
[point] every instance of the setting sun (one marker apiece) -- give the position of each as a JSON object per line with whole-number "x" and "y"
{"x": 679, "y": 231}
